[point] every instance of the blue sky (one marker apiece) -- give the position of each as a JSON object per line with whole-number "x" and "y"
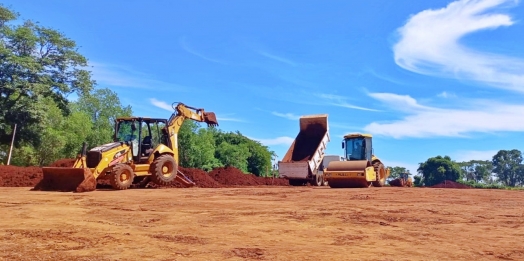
{"x": 426, "y": 78}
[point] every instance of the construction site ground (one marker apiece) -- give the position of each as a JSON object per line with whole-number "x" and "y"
{"x": 262, "y": 223}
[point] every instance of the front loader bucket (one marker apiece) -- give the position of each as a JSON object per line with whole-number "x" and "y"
{"x": 66, "y": 179}
{"x": 210, "y": 118}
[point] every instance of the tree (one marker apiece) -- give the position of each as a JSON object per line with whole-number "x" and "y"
{"x": 103, "y": 107}
{"x": 233, "y": 155}
{"x": 36, "y": 63}
{"x": 417, "y": 180}
{"x": 437, "y": 169}
{"x": 61, "y": 137}
{"x": 508, "y": 168}
{"x": 476, "y": 170}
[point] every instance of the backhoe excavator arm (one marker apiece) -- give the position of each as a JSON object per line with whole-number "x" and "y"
{"x": 183, "y": 112}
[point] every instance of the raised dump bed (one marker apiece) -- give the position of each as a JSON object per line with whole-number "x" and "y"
{"x": 301, "y": 162}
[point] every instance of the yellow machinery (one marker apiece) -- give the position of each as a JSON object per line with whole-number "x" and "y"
{"x": 360, "y": 169}
{"x": 143, "y": 149}
{"x": 404, "y": 180}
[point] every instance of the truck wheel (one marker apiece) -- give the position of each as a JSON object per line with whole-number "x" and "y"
{"x": 379, "y": 169}
{"x": 317, "y": 180}
{"x": 163, "y": 170}
{"x": 122, "y": 177}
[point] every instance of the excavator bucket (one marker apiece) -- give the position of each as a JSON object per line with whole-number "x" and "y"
{"x": 66, "y": 179}
{"x": 210, "y": 118}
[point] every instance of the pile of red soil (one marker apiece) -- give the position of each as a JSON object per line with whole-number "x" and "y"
{"x": 67, "y": 163}
{"x": 451, "y": 184}
{"x": 200, "y": 177}
{"x": 231, "y": 176}
{"x": 13, "y": 176}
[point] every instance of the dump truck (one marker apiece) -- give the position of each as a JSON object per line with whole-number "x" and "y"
{"x": 360, "y": 167}
{"x": 144, "y": 149}
{"x": 304, "y": 157}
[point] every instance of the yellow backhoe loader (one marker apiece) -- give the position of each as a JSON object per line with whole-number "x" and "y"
{"x": 360, "y": 167}
{"x": 143, "y": 149}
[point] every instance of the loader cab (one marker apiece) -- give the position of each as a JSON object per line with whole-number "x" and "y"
{"x": 357, "y": 147}
{"x": 143, "y": 135}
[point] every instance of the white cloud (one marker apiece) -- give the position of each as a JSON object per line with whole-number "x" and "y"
{"x": 340, "y": 101}
{"x": 122, "y": 76}
{"x": 424, "y": 121}
{"x": 278, "y": 58}
{"x": 161, "y": 105}
{"x": 284, "y": 140}
{"x": 289, "y": 116}
{"x": 219, "y": 119}
{"x": 446, "y": 95}
{"x": 186, "y": 47}
{"x": 467, "y": 155}
{"x": 430, "y": 44}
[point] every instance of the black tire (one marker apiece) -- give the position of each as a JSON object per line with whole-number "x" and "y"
{"x": 379, "y": 168}
{"x": 163, "y": 170}
{"x": 317, "y": 181}
{"x": 122, "y": 177}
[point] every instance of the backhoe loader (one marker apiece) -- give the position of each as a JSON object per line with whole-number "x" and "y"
{"x": 360, "y": 167}
{"x": 144, "y": 149}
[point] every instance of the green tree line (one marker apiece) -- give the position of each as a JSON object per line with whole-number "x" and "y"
{"x": 504, "y": 169}
{"x": 41, "y": 71}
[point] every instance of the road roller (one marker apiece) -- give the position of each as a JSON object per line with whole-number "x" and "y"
{"x": 360, "y": 168}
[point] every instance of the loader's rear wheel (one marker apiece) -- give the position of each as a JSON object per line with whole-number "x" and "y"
{"x": 163, "y": 170}
{"x": 379, "y": 169}
{"x": 122, "y": 177}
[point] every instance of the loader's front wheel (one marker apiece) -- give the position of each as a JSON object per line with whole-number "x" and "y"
{"x": 164, "y": 170}
{"x": 122, "y": 177}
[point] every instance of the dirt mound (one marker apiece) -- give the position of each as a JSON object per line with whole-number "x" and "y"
{"x": 451, "y": 184}
{"x": 13, "y": 176}
{"x": 231, "y": 176}
{"x": 67, "y": 163}
{"x": 201, "y": 178}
